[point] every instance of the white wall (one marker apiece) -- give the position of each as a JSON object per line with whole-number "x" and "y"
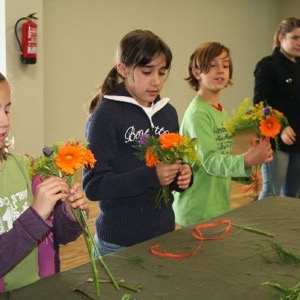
{"x": 27, "y": 81}
{"x": 2, "y": 38}
{"x": 77, "y": 42}
{"x": 81, "y": 38}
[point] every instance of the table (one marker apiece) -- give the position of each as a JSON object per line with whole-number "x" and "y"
{"x": 231, "y": 268}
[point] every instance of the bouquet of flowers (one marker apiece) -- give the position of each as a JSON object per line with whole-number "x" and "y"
{"x": 63, "y": 160}
{"x": 267, "y": 122}
{"x": 168, "y": 148}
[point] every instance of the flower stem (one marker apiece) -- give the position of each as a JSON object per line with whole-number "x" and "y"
{"x": 106, "y": 268}
{"x": 81, "y": 217}
{"x": 269, "y": 181}
{"x": 254, "y": 230}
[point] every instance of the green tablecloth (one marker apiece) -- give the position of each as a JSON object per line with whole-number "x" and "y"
{"x": 231, "y": 268}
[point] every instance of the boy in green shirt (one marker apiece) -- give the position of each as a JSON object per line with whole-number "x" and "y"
{"x": 210, "y": 70}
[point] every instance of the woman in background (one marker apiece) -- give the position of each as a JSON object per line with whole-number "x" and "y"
{"x": 277, "y": 83}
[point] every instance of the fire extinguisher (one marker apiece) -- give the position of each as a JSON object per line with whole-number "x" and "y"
{"x": 28, "y": 47}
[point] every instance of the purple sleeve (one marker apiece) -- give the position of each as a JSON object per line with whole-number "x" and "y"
{"x": 35, "y": 181}
{"x": 16, "y": 243}
{"x": 65, "y": 228}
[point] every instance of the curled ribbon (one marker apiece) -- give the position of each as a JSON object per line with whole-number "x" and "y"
{"x": 197, "y": 234}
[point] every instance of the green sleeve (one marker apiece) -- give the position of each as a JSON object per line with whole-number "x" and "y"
{"x": 214, "y": 145}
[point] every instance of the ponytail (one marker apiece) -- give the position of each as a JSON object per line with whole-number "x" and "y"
{"x": 108, "y": 87}
{"x": 136, "y": 48}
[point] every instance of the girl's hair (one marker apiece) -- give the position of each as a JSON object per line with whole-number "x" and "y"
{"x": 4, "y": 150}
{"x": 136, "y": 48}
{"x": 201, "y": 59}
{"x": 287, "y": 25}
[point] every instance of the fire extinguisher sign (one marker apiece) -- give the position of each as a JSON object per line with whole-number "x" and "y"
{"x": 32, "y": 40}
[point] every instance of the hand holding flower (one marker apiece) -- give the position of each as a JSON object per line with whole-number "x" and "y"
{"x": 77, "y": 198}
{"x": 185, "y": 176}
{"x": 48, "y": 193}
{"x": 259, "y": 153}
{"x": 268, "y": 123}
{"x": 166, "y": 153}
{"x": 56, "y": 168}
{"x": 166, "y": 173}
{"x": 288, "y": 135}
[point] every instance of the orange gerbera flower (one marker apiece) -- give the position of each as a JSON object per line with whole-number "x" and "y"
{"x": 69, "y": 158}
{"x": 89, "y": 158}
{"x": 168, "y": 140}
{"x": 270, "y": 127}
{"x": 151, "y": 157}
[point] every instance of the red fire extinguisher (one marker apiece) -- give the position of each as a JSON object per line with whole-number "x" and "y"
{"x": 28, "y": 47}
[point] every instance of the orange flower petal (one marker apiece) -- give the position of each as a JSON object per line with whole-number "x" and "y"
{"x": 270, "y": 127}
{"x": 151, "y": 158}
{"x": 169, "y": 140}
{"x": 69, "y": 159}
{"x": 89, "y": 158}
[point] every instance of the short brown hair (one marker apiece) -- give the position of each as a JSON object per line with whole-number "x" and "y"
{"x": 201, "y": 59}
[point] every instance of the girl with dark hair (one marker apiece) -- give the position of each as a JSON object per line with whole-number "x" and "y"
{"x": 277, "y": 82}
{"x": 126, "y": 106}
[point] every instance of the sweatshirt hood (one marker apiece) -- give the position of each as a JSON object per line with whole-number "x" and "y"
{"x": 157, "y": 104}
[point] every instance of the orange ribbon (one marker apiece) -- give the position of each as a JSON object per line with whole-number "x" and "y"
{"x": 197, "y": 234}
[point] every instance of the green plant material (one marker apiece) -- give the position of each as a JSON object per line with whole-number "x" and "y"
{"x": 164, "y": 275}
{"x": 285, "y": 255}
{"x": 267, "y": 260}
{"x": 135, "y": 260}
{"x": 121, "y": 283}
{"x": 75, "y": 290}
{"x": 134, "y": 289}
{"x": 254, "y": 230}
{"x": 290, "y": 293}
{"x": 127, "y": 297}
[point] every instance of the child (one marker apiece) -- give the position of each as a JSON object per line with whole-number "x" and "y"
{"x": 210, "y": 70}
{"x": 31, "y": 226}
{"x": 127, "y": 106}
{"x": 277, "y": 81}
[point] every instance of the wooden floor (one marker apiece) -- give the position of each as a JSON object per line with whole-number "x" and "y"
{"x": 75, "y": 253}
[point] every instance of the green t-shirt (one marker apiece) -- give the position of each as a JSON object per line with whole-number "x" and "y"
{"x": 210, "y": 193}
{"x": 15, "y": 197}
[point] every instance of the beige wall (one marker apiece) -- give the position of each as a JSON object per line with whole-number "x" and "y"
{"x": 77, "y": 42}
{"x": 28, "y": 120}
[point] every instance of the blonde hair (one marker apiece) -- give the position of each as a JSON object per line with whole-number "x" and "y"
{"x": 4, "y": 150}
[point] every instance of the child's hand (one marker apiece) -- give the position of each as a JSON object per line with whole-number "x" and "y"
{"x": 288, "y": 135}
{"x": 185, "y": 176}
{"x": 77, "y": 198}
{"x": 258, "y": 154}
{"x": 167, "y": 173}
{"x": 48, "y": 193}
